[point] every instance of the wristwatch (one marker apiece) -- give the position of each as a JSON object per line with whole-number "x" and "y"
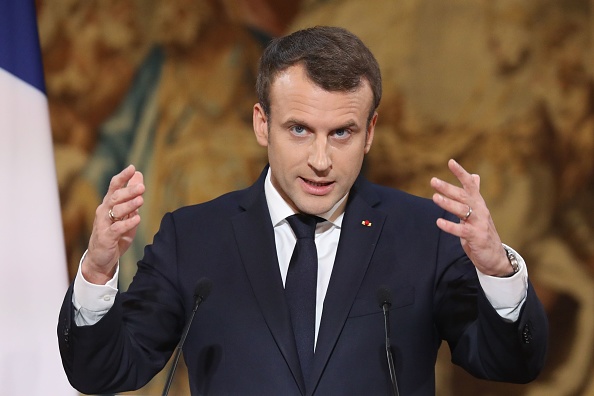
{"x": 513, "y": 261}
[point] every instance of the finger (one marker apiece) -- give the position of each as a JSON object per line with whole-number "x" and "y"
{"x": 121, "y": 179}
{"x": 125, "y": 194}
{"x": 126, "y": 208}
{"x": 455, "y": 207}
{"x": 448, "y": 190}
{"x": 477, "y": 180}
{"x": 450, "y": 227}
{"x": 136, "y": 179}
{"x": 119, "y": 228}
{"x": 465, "y": 178}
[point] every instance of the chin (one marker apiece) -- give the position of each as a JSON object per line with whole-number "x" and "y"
{"x": 315, "y": 209}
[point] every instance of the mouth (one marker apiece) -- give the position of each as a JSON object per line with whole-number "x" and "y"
{"x": 317, "y": 188}
{"x": 316, "y": 184}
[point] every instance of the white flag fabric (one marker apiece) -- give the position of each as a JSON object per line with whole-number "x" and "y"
{"x": 33, "y": 277}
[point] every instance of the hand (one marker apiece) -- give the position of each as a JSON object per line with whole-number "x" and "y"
{"x": 476, "y": 229}
{"x": 110, "y": 238}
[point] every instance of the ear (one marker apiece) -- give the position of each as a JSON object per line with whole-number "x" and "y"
{"x": 370, "y": 133}
{"x": 260, "y": 125}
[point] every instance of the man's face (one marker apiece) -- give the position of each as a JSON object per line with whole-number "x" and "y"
{"x": 316, "y": 139}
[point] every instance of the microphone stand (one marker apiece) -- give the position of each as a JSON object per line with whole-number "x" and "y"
{"x": 202, "y": 290}
{"x": 384, "y": 298}
{"x": 389, "y": 349}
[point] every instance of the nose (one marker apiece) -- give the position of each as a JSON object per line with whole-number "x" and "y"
{"x": 319, "y": 157}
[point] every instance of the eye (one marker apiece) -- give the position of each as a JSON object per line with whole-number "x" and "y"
{"x": 342, "y": 133}
{"x": 298, "y": 129}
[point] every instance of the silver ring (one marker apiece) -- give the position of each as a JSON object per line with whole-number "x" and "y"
{"x": 112, "y": 217}
{"x": 468, "y": 213}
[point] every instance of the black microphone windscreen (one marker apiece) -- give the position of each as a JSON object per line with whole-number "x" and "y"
{"x": 384, "y": 296}
{"x": 202, "y": 289}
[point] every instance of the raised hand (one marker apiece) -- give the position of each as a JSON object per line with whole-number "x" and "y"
{"x": 115, "y": 225}
{"x": 476, "y": 229}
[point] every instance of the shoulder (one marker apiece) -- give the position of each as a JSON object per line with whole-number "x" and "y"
{"x": 225, "y": 205}
{"x": 391, "y": 199}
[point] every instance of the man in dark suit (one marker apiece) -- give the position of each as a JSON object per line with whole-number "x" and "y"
{"x": 449, "y": 275}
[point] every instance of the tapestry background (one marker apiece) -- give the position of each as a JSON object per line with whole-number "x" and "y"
{"x": 506, "y": 87}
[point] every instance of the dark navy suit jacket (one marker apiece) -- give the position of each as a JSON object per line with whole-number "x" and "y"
{"x": 241, "y": 341}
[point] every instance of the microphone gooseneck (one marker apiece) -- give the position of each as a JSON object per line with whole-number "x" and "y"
{"x": 201, "y": 292}
{"x": 384, "y": 298}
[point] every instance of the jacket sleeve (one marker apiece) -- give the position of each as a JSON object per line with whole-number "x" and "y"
{"x": 137, "y": 336}
{"x": 482, "y": 342}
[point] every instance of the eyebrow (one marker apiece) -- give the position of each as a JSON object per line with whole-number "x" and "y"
{"x": 294, "y": 121}
{"x": 349, "y": 124}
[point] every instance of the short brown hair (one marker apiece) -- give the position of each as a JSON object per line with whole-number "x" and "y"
{"x": 334, "y": 59}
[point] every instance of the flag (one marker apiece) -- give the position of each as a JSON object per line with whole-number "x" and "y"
{"x": 33, "y": 276}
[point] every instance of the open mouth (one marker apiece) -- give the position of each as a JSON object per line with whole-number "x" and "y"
{"x": 317, "y": 188}
{"x": 316, "y": 184}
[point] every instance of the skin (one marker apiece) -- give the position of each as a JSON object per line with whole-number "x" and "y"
{"x": 478, "y": 235}
{"x": 110, "y": 240}
{"x": 316, "y": 142}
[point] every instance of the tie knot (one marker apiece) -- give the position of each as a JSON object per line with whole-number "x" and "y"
{"x": 304, "y": 226}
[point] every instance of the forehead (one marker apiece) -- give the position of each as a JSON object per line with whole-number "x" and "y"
{"x": 293, "y": 94}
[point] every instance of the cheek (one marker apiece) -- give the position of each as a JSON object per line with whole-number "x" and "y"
{"x": 350, "y": 167}
{"x": 281, "y": 160}
{"x": 350, "y": 160}
{"x": 288, "y": 155}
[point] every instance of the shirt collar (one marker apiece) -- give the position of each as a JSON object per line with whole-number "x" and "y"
{"x": 279, "y": 209}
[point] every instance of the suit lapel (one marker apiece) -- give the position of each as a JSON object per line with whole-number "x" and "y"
{"x": 255, "y": 238}
{"x": 356, "y": 246}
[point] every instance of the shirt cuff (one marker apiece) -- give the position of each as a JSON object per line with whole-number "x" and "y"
{"x": 91, "y": 302}
{"x": 507, "y": 295}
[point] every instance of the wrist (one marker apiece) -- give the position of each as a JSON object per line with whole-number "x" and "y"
{"x": 95, "y": 274}
{"x": 512, "y": 264}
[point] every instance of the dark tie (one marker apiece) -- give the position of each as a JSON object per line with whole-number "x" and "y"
{"x": 301, "y": 286}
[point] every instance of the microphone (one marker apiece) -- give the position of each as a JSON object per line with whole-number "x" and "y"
{"x": 201, "y": 292}
{"x": 384, "y": 298}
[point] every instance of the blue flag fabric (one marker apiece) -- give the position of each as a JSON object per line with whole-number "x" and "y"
{"x": 20, "y": 54}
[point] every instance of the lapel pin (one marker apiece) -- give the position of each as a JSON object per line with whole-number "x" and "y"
{"x": 366, "y": 223}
